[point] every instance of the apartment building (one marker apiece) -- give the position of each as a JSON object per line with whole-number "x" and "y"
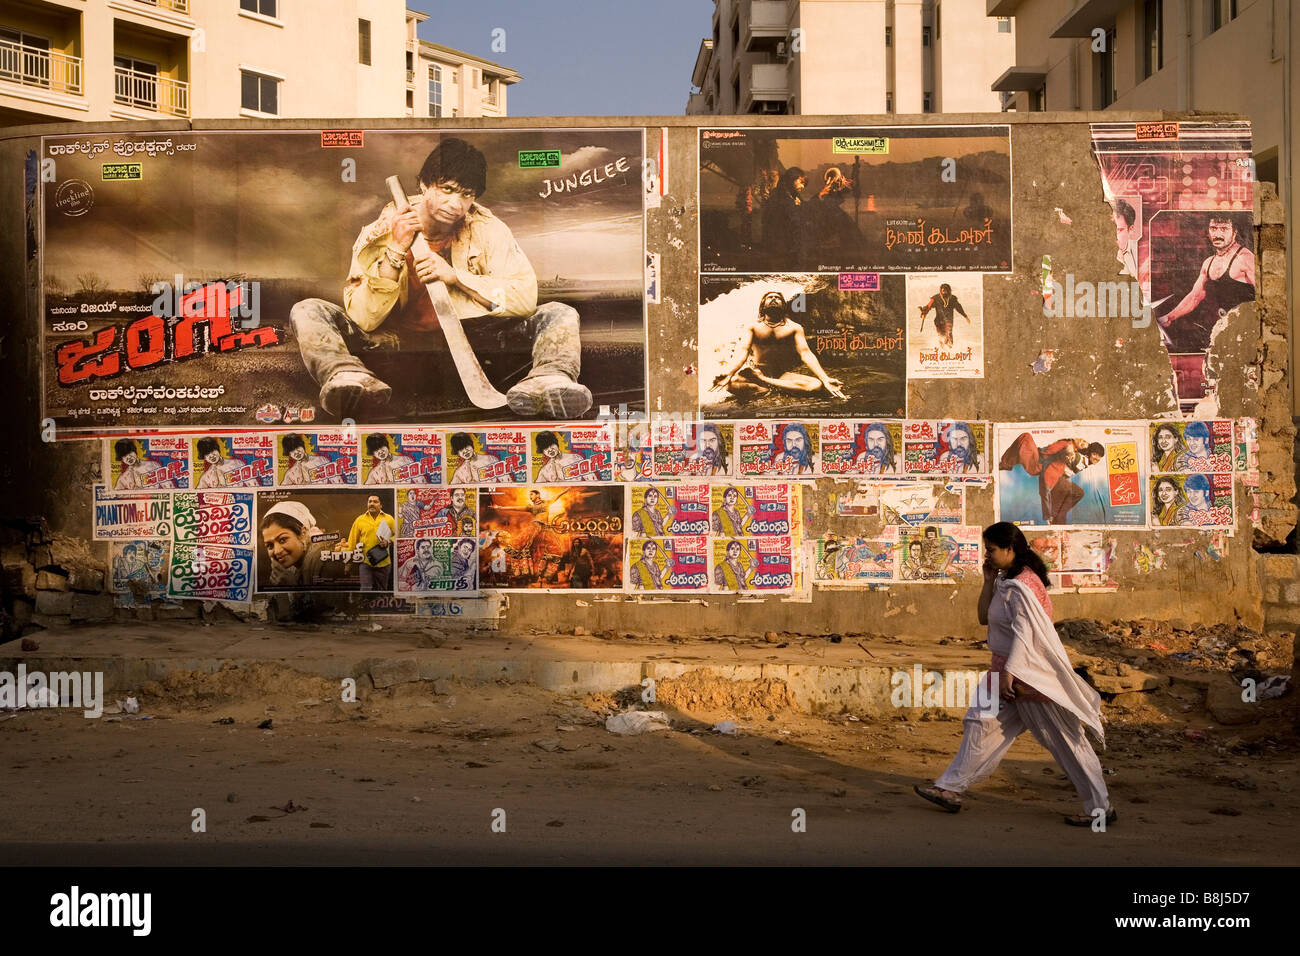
{"x": 851, "y": 56}
{"x": 453, "y": 83}
{"x": 1217, "y": 55}
{"x": 70, "y": 60}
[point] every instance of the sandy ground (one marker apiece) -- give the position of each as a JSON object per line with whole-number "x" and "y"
{"x": 418, "y": 773}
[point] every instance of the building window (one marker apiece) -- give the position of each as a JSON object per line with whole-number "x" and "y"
{"x": 1153, "y": 43}
{"x": 925, "y": 36}
{"x": 927, "y": 102}
{"x": 889, "y": 101}
{"x": 135, "y": 82}
{"x": 889, "y": 36}
{"x": 363, "y": 42}
{"x": 1232, "y": 9}
{"x": 24, "y": 58}
{"x": 1004, "y": 24}
{"x": 1038, "y": 100}
{"x": 258, "y": 92}
{"x": 265, "y": 7}
{"x": 1106, "y": 93}
{"x": 435, "y": 91}
{"x": 938, "y": 22}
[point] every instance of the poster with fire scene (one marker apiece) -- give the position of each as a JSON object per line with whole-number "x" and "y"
{"x": 551, "y": 537}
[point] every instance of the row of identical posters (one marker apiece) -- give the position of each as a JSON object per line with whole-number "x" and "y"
{"x": 663, "y": 450}
{"x": 220, "y": 278}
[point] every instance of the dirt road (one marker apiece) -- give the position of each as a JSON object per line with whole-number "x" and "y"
{"x": 410, "y": 775}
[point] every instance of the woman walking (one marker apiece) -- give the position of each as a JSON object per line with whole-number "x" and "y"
{"x": 1037, "y": 689}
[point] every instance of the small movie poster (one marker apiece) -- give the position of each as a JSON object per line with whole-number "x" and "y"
{"x": 908, "y": 503}
{"x": 214, "y": 517}
{"x": 147, "y": 464}
{"x": 495, "y": 457}
{"x": 317, "y": 458}
{"x": 139, "y": 571}
{"x": 1195, "y": 446}
{"x": 764, "y": 449}
{"x": 211, "y": 572}
{"x": 750, "y": 510}
{"x": 752, "y": 565}
{"x": 233, "y": 461}
{"x": 862, "y": 448}
{"x": 850, "y": 562}
{"x": 1071, "y": 475}
{"x": 937, "y": 554}
{"x": 325, "y": 540}
{"x": 551, "y": 538}
{"x": 563, "y": 456}
{"x": 669, "y": 510}
{"x": 946, "y": 337}
{"x": 944, "y": 448}
{"x": 437, "y": 565}
{"x": 412, "y": 456}
{"x": 141, "y": 515}
{"x": 1197, "y": 500}
{"x": 437, "y": 512}
{"x": 691, "y": 449}
{"x": 633, "y": 453}
{"x": 668, "y": 565}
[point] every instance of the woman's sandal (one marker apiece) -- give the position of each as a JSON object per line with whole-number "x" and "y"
{"x": 936, "y": 796}
{"x": 1080, "y": 820}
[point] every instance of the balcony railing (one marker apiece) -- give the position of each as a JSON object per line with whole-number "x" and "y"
{"x": 148, "y": 91}
{"x": 33, "y": 66}
{"x": 180, "y": 6}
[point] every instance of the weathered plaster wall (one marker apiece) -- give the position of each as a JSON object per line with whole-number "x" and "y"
{"x": 1105, "y": 370}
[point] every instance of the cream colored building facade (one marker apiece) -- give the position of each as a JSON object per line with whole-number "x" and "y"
{"x": 68, "y": 60}
{"x": 851, "y": 56}
{"x": 1217, "y": 55}
{"x": 452, "y": 83}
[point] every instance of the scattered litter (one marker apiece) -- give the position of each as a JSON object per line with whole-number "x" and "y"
{"x": 1065, "y": 220}
{"x": 1183, "y": 656}
{"x": 1273, "y": 687}
{"x": 265, "y": 725}
{"x": 289, "y": 807}
{"x": 224, "y": 720}
{"x": 1156, "y": 645}
{"x": 632, "y": 723}
{"x": 726, "y": 727}
{"x": 375, "y": 627}
{"x": 1194, "y": 734}
{"x": 130, "y": 706}
{"x": 855, "y": 719}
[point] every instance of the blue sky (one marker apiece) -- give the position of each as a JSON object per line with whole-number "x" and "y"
{"x": 581, "y": 57}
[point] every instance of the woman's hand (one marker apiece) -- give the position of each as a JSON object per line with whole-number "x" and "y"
{"x": 1006, "y": 686}
{"x": 990, "y": 570}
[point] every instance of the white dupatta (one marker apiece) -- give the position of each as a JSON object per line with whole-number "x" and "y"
{"x": 1038, "y": 658}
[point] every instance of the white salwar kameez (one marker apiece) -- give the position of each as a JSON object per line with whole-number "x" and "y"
{"x": 1021, "y": 631}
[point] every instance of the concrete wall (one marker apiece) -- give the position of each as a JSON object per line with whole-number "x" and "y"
{"x": 1105, "y": 369}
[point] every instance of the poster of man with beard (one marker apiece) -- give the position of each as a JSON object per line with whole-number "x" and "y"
{"x": 274, "y": 268}
{"x": 801, "y": 346}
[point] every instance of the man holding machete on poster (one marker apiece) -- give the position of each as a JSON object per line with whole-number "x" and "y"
{"x": 427, "y": 263}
